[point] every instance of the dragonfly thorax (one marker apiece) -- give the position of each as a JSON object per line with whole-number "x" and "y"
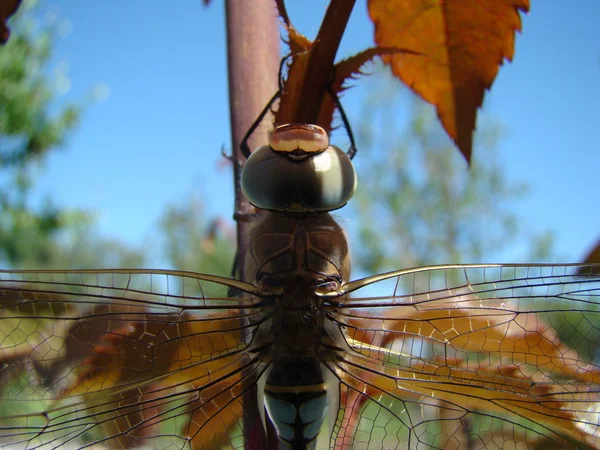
{"x": 298, "y": 171}
{"x": 289, "y": 248}
{"x": 297, "y": 325}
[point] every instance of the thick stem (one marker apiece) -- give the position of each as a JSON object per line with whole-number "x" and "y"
{"x": 320, "y": 65}
{"x": 253, "y": 62}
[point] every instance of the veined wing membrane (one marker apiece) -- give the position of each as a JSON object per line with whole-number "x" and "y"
{"x": 124, "y": 358}
{"x": 440, "y": 357}
{"x": 470, "y": 356}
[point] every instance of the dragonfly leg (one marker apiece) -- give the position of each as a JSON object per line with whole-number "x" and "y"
{"x": 245, "y": 217}
{"x": 244, "y": 144}
{"x": 352, "y": 150}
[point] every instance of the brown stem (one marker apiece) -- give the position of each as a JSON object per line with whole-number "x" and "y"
{"x": 253, "y": 62}
{"x": 322, "y": 56}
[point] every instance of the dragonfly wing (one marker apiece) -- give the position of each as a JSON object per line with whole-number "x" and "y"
{"x": 124, "y": 358}
{"x": 470, "y": 356}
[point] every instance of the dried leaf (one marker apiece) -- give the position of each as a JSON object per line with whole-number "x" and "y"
{"x": 31, "y": 333}
{"x": 152, "y": 358}
{"x": 517, "y": 338}
{"x": 462, "y": 44}
{"x": 530, "y": 361}
{"x": 496, "y": 392}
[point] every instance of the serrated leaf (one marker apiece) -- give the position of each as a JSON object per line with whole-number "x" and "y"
{"x": 462, "y": 44}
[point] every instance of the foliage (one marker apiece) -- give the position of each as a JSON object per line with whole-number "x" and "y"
{"x": 34, "y": 122}
{"x": 31, "y": 126}
{"x": 192, "y": 243}
{"x": 71, "y": 242}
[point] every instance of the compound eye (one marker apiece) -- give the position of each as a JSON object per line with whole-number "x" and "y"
{"x": 299, "y": 138}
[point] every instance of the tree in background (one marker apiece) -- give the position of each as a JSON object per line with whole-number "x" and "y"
{"x": 33, "y": 123}
{"x": 28, "y": 132}
{"x": 419, "y": 204}
{"x": 192, "y": 243}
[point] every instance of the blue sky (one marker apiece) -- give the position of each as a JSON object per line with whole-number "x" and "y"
{"x": 157, "y": 137}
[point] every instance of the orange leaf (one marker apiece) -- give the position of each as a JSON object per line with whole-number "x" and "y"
{"x": 523, "y": 355}
{"x": 515, "y": 337}
{"x": 500, "y": 393}
{"x": 462, "y": 42}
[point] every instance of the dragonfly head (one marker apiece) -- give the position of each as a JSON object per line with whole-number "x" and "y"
{"x": 299, "y": 171}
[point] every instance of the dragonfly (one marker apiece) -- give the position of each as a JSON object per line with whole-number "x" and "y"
{"x": 440, "y": 357}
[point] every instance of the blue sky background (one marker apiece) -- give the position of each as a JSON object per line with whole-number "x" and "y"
{"x": 157, "y": 137}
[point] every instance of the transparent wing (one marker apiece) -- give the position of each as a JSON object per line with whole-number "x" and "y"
{"x": 123, "y": 359}
{"x": 469, "y": 356}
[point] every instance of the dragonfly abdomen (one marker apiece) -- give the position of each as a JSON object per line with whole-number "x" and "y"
{"x": 296, "y": 400}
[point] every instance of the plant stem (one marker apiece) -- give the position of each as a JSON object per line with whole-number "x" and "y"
{"x": 320, "y": 66}
{"x": 253, "y": 62}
